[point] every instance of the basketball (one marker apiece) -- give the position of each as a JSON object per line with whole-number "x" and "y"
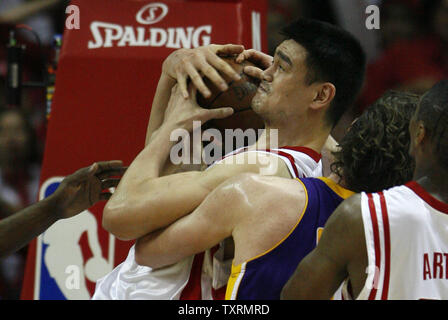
{"x": 238, "y": 96}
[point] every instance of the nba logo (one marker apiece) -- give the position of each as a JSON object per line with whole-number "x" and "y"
{"x": 72, "y": 254}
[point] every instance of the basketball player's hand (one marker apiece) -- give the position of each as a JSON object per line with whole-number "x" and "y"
{"x": 184, "y": 64}
{"x": 181, "y": 112}
{"x": 260, "y": 59}
{"x": 82, "y": 189}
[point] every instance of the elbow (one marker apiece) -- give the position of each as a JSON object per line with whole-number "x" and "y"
{"x": 130, "y": 217}
{"x": 143, "y": 258}
{"x": 114, "y": 221}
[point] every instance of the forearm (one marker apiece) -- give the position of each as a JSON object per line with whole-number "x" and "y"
{"x": 144, "y": 200}
{"x": 159, "y": 104}
{"x": 156, "y": 203}
{"x": 211, "y": 222}
{"x": 19, "y": 229}
{"x": 123, "y": 208}
{"x": 149, "y": 252}
{"x": 187, "y": 236}
{"x": 312, "y": 280}
{"x": 149, "y": 163}
{"x": 153, "y": 204}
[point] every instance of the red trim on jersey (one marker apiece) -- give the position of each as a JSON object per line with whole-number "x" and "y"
{"x": 422, "y": 193}
{"x": 289, "y": 157}
{"x": 291, "y": 160}
{"x": 316, "y": 156}
{"x": 386, "y": 246}
{"x": 192, "y": 290}
{"x": 376, "y": 240}
{"x": 309, "y": 152}
{"x": 280, "y": 153}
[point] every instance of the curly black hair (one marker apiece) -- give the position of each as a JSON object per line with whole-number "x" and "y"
{"x": 374, "y": 153}
{"x": 433, "y": 111}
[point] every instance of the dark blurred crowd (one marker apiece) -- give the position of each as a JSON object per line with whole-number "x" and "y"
{"x": 414, "y": 42}
{"x": 413, "y": 55}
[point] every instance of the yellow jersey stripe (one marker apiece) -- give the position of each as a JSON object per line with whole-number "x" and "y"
{"x": 234, "y": 281}
{"x": 340, "y": 191}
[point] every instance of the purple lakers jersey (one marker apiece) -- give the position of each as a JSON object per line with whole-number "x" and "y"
{"x": 264, "y": 276}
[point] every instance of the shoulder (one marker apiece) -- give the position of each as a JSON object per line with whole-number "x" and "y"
{"x": 350, "y": 205}
{"x": 347, "y": 218}
{"x": 263, "y": 204}
{"x": 266, "y": 191}
{"x": 254, "y": 181}
{"x": 242, "y": 200}
{"x": 264, "y": 163}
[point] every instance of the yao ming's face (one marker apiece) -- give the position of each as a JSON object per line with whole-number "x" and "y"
{"x": 283, "y": 92}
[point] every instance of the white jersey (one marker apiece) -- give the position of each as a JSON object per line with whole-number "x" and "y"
{"x": 407, "y": 245}
{"x": 203, "y": 276}
{"x": 302, "y": 162}
{"x": 130, "y": 281}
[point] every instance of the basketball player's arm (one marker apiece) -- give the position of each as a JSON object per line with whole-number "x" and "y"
{"x": 142, "y": 205}
{"x": 340, "y": 253}
{"x": 214, "y": 220}
{"x": 235, "y": 208}
{"x": 76, "y": 193}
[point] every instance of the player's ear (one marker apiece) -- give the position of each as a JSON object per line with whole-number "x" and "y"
{"x": 323, "y": 95}
{"x": 419, "y": 133}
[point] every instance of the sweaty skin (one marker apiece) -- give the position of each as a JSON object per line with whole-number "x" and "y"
{"x": 235, "y": 209}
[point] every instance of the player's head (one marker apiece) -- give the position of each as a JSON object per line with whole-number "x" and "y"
{"x": 318, "y": 69}
{"x": 429, "y": 128}
{"x": 374, "y": 152}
